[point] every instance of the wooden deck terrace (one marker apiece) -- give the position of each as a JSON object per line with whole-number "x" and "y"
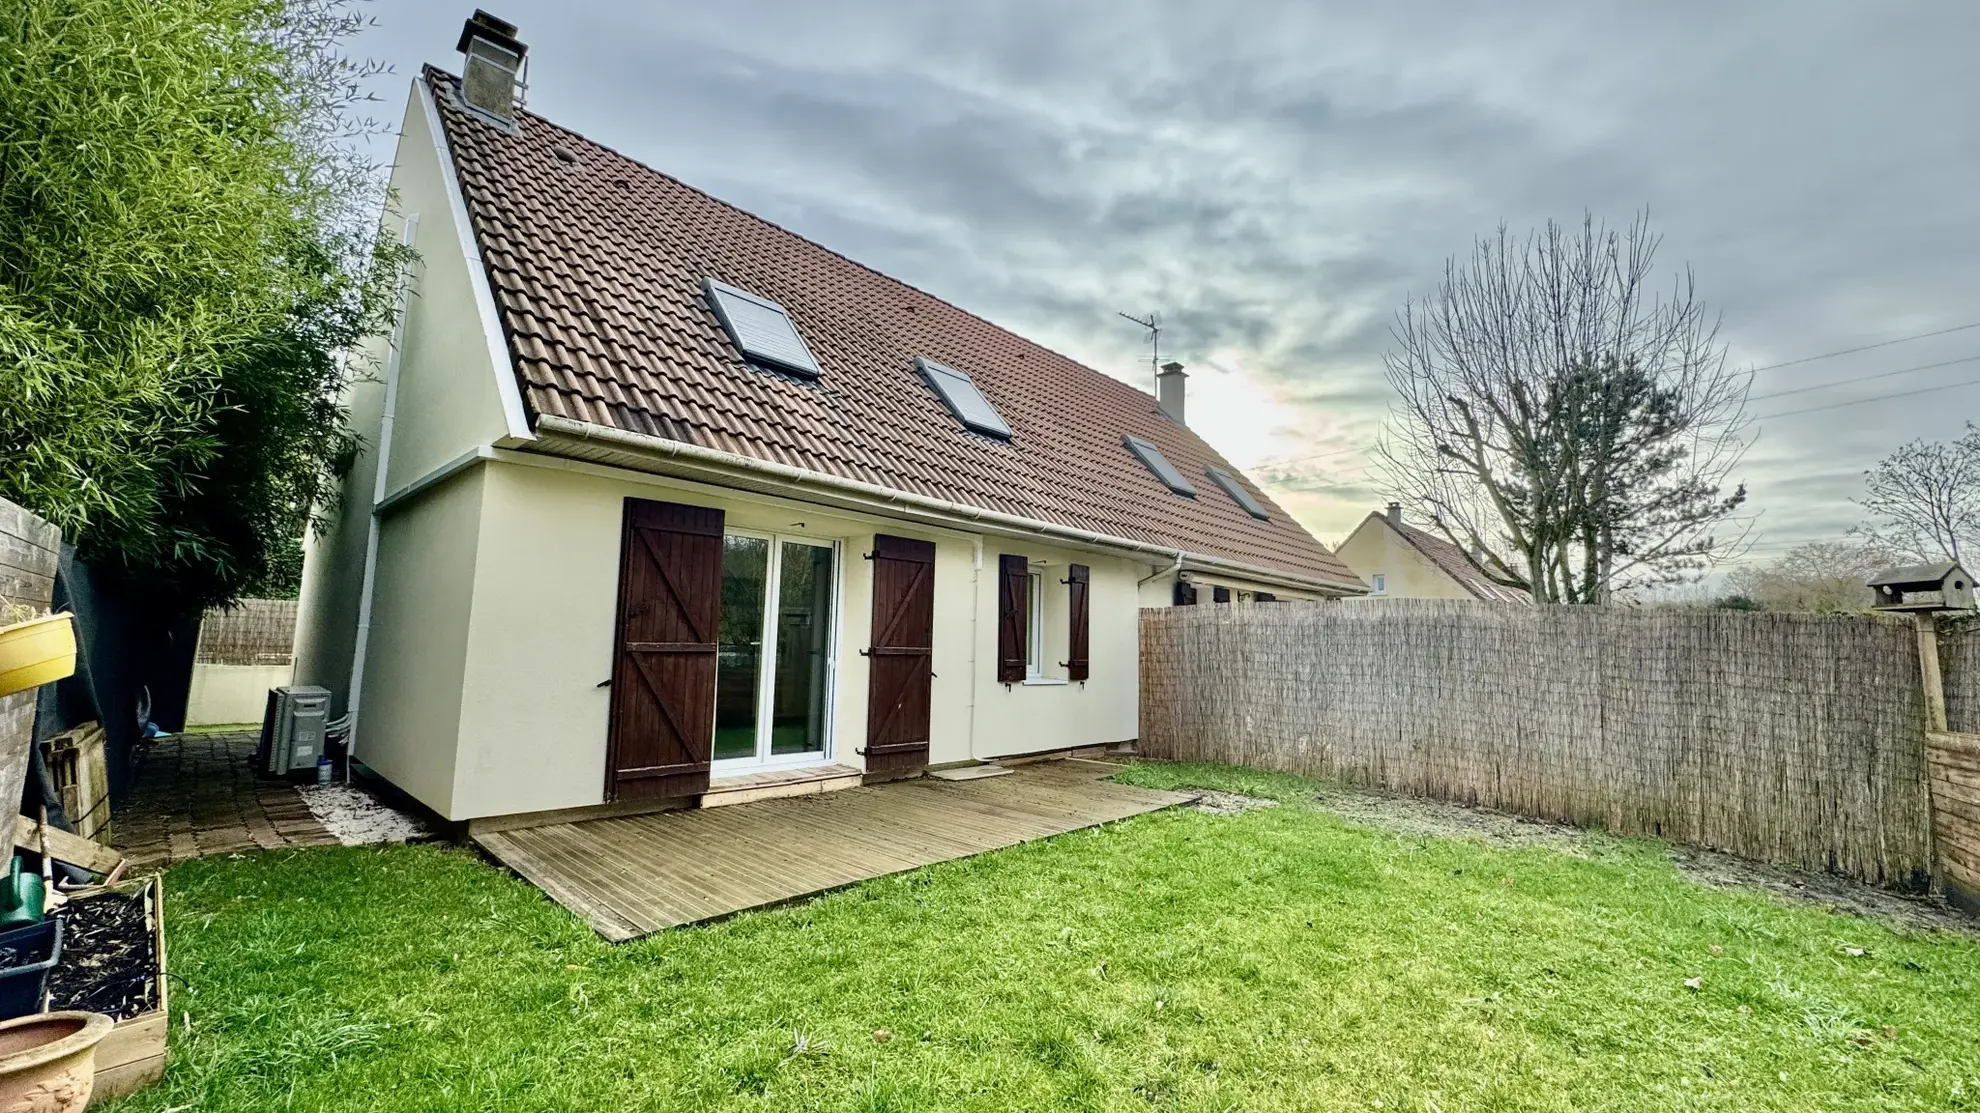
{"x": 635, "y": 875}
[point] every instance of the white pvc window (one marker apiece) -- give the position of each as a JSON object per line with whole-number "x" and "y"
{"x": 1380, "y": 583}
{"x": 1034, "y": 650}
{"x": 775, "y": 653}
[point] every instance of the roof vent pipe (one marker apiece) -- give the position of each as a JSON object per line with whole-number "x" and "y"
{"x": 492, "y": 77}
{"x": 1169, "y": 391}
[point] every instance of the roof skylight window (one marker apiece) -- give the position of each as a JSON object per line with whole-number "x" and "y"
{"x": 1159, "y": 464}
{"x": 1237, "y": 492}
{"x": 959, "y": 393}
{"x": 761, "y": 329}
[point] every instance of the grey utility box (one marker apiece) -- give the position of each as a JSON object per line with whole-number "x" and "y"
{"x": 292, "y": 729}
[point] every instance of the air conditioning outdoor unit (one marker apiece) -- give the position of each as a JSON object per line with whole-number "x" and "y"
{"x": 292, "y": 729}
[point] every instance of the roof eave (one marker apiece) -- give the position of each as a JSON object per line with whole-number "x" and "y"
{"x": 564, "y": 436}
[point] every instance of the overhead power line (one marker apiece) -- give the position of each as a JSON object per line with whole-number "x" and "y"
{"x": 1307, "y": 459}
{"x": 1872, "y": 398}
{"x": 1868, "y": 347}
{"x": 1863, "y": 378}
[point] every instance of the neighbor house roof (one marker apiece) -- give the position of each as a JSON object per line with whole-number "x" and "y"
{"x": 597, "y": 262}
{"x": 1452, "y": 561}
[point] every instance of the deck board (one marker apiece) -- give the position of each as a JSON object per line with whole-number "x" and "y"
{"x": 633, "y": 875}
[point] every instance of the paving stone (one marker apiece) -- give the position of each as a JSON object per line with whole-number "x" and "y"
{"x": 198, "y": 795}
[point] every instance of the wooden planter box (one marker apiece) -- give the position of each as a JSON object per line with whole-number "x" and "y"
{"x": 132, "y": 1056}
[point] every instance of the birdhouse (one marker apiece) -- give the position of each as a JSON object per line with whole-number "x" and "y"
{"x": 1923, "y": 588}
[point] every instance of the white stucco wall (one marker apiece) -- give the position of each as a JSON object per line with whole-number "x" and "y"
{"x": 1374, "y": 549}
{"x": 229, "y": 694}
{"x": 448, "y": 399}
{"x": 545, "y": 599}
{"x": 1051, "y": 713}
{"x": 448, "y": 403}
{"x": 532, "y": 720}
{"x": 412, "y": 718}
{"x": 333, "y": 563}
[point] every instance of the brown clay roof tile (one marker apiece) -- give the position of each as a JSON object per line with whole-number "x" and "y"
{"x": 596, "y": 266}
{"x": 1452, "y": 560}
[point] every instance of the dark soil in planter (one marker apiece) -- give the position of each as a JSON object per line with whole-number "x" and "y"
{"x": 109, "y": 964}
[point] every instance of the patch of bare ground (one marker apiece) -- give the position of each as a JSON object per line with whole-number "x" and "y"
{"x": 1416, "y": 816}
{"x": 1228, "y": 803}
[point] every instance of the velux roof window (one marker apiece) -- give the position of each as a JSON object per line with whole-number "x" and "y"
{"x": 761, "y": 329}
{"x": 1237, "y": 492}
{"x": 1159, "y": 464}
{"x": 963, "y": 399}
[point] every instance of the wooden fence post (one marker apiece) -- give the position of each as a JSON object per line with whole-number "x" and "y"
{"x": 1928, "y": 670}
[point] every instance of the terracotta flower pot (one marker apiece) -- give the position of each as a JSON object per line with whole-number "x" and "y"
{"x": 35, "y": 652}
{"x": 48, "y": 1061}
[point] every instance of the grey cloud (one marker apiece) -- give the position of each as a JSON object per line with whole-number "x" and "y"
{"x": 1277, "y": 178}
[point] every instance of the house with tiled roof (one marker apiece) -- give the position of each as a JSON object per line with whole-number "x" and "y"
{"x": 1401, "y": 561}
{"x": 659, "y": 498}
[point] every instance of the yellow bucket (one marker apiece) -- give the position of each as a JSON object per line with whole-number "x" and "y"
{"x": 36, "y": 652}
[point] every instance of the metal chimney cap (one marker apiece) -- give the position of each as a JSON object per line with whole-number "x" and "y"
{"x": 498, "y": 31}
{"x": 1172, "y": 368}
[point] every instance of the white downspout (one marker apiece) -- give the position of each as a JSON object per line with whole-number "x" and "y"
{"x": 1171, "y": 570}
{"x": 975, "y": 664}
{"x": 378, "y": 490}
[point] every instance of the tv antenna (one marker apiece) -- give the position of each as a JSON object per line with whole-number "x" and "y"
{"x": 1153, "y": 323}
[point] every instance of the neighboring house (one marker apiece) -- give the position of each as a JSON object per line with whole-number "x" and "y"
{"x": 1400, "y": 561}
{"x": 671, "y": 496}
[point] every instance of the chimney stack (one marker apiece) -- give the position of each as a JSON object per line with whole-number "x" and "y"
{"x": 1395, "y": 514}
{"x": 491, "y": 77}
{"x": 1169, "y": 391}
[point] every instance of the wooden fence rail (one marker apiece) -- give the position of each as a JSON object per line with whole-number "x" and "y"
{"x": 1797, "y": 739}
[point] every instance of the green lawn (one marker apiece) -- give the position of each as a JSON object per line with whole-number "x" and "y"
{"x": 1274, "y": 960}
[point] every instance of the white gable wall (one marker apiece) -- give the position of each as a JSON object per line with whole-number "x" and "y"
{"x": 450, "y": 400}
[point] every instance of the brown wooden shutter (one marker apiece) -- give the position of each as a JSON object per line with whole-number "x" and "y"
{"x": 662, "y": 729}
{"x": 1013, "y": 618}
{"x": 1077, "y": 663}
{"x": 902, "y": 655}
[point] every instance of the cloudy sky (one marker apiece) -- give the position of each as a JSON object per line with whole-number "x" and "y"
{"x": 1275, "y": 179}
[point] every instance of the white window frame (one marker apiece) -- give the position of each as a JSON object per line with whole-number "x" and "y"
{"x": 1034, "y": 650}
{"x": 1380, "y": 582}
{"x": 767, "y": 664}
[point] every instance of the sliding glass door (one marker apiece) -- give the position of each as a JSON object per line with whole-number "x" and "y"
{"x": 773, "y": 676}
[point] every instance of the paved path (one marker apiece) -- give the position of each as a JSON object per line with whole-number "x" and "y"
{"x": 196, "y": 794}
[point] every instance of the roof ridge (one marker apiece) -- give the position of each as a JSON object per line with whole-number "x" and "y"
{"x": 431, "y": 70}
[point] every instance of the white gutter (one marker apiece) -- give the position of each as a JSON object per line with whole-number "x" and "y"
{"x": 1172, "y": 570}
{"x": 484, "y": 298}
{"x": 903, "y": 504}
{"x": 370, "y": 584}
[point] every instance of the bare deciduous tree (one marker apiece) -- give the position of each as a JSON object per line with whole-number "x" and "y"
{"x": 1827, "y": 577}
{"x": 1924, "y": 499}
{"x": 1560, "y": 421}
